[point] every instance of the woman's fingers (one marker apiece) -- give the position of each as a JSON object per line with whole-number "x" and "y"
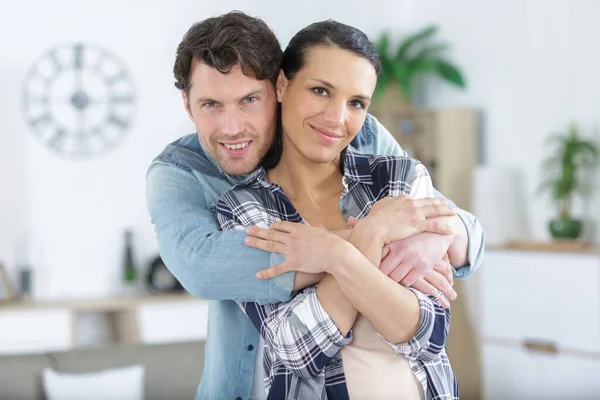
{"x": 267, "y": 234}
{"x": 274, "y": 271}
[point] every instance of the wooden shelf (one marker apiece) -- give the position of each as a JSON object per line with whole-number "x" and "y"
{"x": 558, "y": 246}
{"x": 103, "y": 304}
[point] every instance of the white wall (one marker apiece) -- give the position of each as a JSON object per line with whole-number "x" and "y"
{"x": 531, "y": 65}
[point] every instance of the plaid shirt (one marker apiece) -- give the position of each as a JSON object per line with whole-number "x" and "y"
{"x": 302, "y": 358}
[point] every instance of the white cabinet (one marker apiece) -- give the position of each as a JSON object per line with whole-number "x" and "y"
{"x": 539, "y": 324}
{"x": 174, "y": 321}
{"x": 33, "y": 331}
{"x": 35, "y": 327}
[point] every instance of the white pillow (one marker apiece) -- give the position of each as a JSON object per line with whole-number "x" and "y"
{"x": 114, "y": 384}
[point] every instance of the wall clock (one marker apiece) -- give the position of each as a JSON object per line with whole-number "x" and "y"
{"x": 79, "y": 100}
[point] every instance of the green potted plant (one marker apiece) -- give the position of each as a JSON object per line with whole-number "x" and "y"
{"x": 565, "y": 171}
{"x": 416, "y": 54}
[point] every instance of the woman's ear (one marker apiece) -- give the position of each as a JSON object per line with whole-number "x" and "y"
{"x": 281, "y": 85}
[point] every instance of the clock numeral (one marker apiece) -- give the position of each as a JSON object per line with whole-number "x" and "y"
{"x": 56, "y": 62}
{"x": 78, "y": 56}
{"x": 40, "y": 76}
{"x": 113, "y": 119}
{"x": 122, "y": 99}
{"x": 38, "y": 99}
{"x": 57, "y": 138}
{"x": 116, "y": 78}
{"x": 44, "y": 118}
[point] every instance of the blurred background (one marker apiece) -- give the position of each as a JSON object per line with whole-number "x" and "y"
{"x": 503, "y": 98}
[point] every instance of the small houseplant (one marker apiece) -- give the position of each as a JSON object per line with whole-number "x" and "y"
{"x": 565, "y": 170}
{"x": 416, "y": 54}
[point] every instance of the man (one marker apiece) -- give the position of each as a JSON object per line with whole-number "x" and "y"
{"x": 226, "y": 69}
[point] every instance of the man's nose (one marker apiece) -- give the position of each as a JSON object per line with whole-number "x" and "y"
{"x": 232, "y": 122}
{"x": 335, "y": 114}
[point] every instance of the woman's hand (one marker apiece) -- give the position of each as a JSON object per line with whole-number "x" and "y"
{"x": 396, "y": 218}
{"x": 306, "y": 248}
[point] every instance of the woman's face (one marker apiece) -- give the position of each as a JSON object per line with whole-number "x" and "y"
{"x": 325, "y": 104}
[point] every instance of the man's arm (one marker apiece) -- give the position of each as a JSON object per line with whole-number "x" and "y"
{"x": 208, "y": 263}
{"x": 374, "y": 138}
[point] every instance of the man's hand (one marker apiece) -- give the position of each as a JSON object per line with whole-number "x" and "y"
{"x": 409, "y": 259}
{"x": 438, "y": 282}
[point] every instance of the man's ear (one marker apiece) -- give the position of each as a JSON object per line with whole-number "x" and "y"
{"x": 281, "y": 86}
{"x": 186, "y": 104}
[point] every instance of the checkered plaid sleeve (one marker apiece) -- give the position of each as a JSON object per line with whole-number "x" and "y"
{"x": 434, "y": 321}
{"x": 430, "y": 338}
{"x": 300, "y": 333}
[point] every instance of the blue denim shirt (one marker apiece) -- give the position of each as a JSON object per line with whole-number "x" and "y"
{"x": 183, "y": 185}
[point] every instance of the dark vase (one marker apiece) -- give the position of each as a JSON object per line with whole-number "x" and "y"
{"x": 565, "y": 228}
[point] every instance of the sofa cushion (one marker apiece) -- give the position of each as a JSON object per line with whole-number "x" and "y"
{"x": 110, "y": 384}
{"x": 172, "y": 371}
{"x": 21, "y": 376}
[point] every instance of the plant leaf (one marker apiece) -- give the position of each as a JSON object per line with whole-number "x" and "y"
{"x": 413, "y": 39}
{"x": 432, "y": 50}
{"x": 450, "y": 73}
{"x": 382, "y": 46}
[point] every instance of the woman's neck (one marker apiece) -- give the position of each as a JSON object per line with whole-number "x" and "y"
{"x": 303, "y": 179}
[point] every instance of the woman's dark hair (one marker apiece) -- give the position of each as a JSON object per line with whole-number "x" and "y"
{"x": 324, "y": 33}
{"x": 227, "y": 40}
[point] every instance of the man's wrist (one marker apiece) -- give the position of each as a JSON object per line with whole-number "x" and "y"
{"x": 459, "y": 246}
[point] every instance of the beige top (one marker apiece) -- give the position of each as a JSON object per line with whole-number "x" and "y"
{"x": 373, "y": 369}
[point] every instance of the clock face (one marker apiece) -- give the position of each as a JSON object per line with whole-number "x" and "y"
{"x": 79, "y": 100}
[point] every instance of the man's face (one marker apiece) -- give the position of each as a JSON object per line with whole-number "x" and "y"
{"x": 234, "y": 114}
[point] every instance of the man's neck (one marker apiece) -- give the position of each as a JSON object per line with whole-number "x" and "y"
{"x": 303, "y": 179}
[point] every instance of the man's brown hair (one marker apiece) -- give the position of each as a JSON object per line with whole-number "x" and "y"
{"x": 223, "y": 42}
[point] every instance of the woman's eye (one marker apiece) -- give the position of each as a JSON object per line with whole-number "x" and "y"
{"x": 320, "y": 91}
{"x": 357, "y": 104}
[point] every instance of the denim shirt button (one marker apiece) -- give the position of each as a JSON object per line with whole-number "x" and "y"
{"x": 238, "y": 398}
{"x": 250, "y": 347}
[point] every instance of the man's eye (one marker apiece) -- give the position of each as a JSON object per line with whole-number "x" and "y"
{"x": 210, "y": 104}
{"x": 251, "y": 99}
{"x": 320, "y": 91}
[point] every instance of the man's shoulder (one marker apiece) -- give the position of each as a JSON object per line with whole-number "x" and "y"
{"x": 367, "y": 134}
{"x": 185, "y": 153}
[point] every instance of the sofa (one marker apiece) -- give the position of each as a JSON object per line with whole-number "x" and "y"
{"x": 172, "y": 371}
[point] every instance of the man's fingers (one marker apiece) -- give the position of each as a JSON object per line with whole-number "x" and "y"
{"x": 440, "y": 282}
{"x": 445, "y": 268}
{"x": 425, "y": 287}
{"x": 412, "y": 276}
{"x": 266, "y": 245}
{"x": 274, "y": 271}
{"x": 400, "y": 272}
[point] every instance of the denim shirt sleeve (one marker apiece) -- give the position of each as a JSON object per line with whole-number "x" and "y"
{"x": 374, "y": 138}
{"x": 208, "y": 263}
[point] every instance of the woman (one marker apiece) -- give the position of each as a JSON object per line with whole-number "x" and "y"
{"x": 357, "y": 334}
